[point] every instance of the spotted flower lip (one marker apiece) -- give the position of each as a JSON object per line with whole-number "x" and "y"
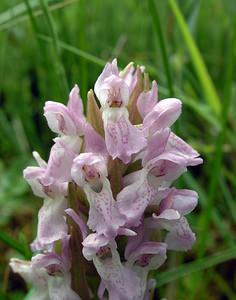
{"x": 89, "y": 171}
{"x": 109, "y": 205}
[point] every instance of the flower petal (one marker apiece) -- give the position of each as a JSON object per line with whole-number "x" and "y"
{"x": 148, "y": 256}
{"x": 121, "y": 137}
{"x": 51, "y": 221}
{"x": 94, "y": 142}
{"x": 183, "y": 201}
{"x": 96, "y": 162}
{"x": 59, "y": 163}
{"x": 147, "y": 100}
{"x": 134, "y": 198}
{"x": 168, "y": 218}
{"x": 109, "y": 69}
{"x": 120, "y": 281}
{"x": 163, "y": 115}
{"x": 60, "y": 288}
{"x": 79, "y": 221}
{"x": 180, "y": 147}
{"x": 30, "y": 274}
{"x": 75, "y": 107}
{"x": 104, "y": 217}
{"x": 181, "y": 238}
{"x": 92, "y": 243}
{"x": 59, "y": 118}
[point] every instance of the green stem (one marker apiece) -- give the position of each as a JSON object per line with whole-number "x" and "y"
{"x": 78, "y": 270}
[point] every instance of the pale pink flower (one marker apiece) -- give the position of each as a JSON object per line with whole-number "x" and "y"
{"x": 120, "y": 135}
{"x": 89, "y": 171}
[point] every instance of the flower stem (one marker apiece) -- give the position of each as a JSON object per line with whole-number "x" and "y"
{"x": 78, "y": 271}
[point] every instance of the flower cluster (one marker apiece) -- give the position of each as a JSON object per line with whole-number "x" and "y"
{"x": 109, "y": 209}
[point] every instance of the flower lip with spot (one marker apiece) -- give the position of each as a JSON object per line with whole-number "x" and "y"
{"x": 144, "y": 260}
{"x": 88, "y": 168}
{"x": 104, "y": 252}
{"x": 53, "y": 270}
{"x": 114, "y": 92}
{"x": 93, "y": 243}
{"x": 90, "y": 173}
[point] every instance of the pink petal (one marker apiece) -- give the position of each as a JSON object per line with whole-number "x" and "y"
{"x": 121, "y": 282}
{"x": 59, "y": 163}
{"x": 92, "y": 243}
{"x": 133, "y": 199}
{"x": 153, "y": 251}
{"x": 183, "y": 201}
{"x": 94, "y": 141}
{"x": 104, "y": 217}
{"x": 123, "y": 139}
{"x": 95, "y": 161}
{"x": 60, "y": 288}
{"x": 30, "y": 274}
{"x": 79, "y": 221}
{"x": 147, "y": 100}
{"x": 59, "y": 118}
{"x": 163, "y": 115}
{"x": 168, "y": 218}
{"x": 180, "y": 147}
{"x": 109, "y": 69}
{"x": 75, "y": 107}
{"x": 75, "y": 104}
{"x": 51, "y": 221}
{"x": 181, "y": 238}
{"x": 156, "y": 145}
{"x": 113, "y": 89}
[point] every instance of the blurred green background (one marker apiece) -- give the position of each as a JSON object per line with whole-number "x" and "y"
{"x": 189, "y": 47}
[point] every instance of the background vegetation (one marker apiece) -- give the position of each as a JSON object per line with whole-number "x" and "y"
{"x": 189, "y": 47}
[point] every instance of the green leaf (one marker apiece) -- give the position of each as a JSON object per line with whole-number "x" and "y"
{"x": 196, "y": 266}
{"x": 18, "y": 13}
{"x": 55, "y": 42}
{"x": 157, "y": 26}
{"x": 216, "y": 165}
{"x": 197, "y": 60}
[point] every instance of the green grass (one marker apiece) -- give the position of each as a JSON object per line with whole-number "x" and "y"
{"x": 189, "y": 47}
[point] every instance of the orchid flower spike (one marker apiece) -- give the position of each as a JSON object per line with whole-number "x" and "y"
{"x": 110, "y": 209}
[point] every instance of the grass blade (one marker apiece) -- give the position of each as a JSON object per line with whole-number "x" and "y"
{"x": 12, "y": 243}
{"x": 218, "y": 157}
{"x": 198, "y": 63}
{"x": 196, "y": 266}
{"x": 76, "y": 51}
{"x": 18, "y": 13}
{"x": 157, "y": 26}
{"x": 217, "y": 219}
{"x": 58, "y": 62}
